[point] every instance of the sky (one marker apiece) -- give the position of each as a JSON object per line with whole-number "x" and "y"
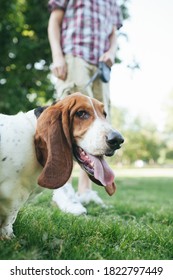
{"x": 144, "y": 91}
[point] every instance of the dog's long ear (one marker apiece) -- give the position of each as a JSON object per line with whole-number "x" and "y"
{"x": 53, "y": 149}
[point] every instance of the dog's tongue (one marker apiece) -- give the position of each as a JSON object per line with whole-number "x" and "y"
{"x": 104, "y": 174}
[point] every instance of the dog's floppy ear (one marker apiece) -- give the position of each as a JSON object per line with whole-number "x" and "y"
{"x": 53, "y": 149}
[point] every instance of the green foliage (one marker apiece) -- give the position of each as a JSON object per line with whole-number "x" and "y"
{"x": 23, "y": 39}
{"x": 169, "y": 115}
{"x": 143, "y": 141}
{"x": 138, "y": 225}
{"x": 124, "y": 8}
{"x": 168, "y": 128}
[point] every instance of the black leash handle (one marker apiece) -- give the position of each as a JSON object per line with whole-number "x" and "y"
{"x": 103, "y": 73}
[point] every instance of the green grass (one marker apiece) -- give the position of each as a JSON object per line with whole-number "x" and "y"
{"x": 138, "y": 224}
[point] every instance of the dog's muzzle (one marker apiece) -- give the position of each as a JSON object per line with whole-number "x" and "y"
{"x": 114, "y": 140}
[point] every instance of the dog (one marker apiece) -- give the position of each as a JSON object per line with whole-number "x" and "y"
{"x": 39, "y": 147}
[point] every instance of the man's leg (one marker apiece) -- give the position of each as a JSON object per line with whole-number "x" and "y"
{"x": 85, "y": 193}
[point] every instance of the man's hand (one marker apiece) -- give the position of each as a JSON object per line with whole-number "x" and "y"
{"x": 108, "y": 58}
{"x": 59, "y": 68}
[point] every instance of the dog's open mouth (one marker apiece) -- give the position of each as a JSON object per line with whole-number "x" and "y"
{"x": 97, "y": 169}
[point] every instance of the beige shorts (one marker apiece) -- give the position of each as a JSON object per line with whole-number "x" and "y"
{"x": 79, "y": 73}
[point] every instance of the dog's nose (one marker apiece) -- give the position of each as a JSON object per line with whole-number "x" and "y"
{"x": 114, "y": 139}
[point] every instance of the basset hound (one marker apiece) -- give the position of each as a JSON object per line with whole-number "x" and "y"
{"x": 40, "y": 145}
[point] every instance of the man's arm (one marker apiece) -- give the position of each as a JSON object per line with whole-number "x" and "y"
{"x": 109, "y": 56}
{"x": 54, "y": 35}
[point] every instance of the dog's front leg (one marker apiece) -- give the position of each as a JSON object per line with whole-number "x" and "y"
{"x": 6, "y": 226}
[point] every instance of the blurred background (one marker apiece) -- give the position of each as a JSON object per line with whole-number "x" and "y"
{"x": 141, "y": 83}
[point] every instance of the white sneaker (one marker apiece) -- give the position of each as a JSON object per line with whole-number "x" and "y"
{"x": 67, "y": 201}
{"x": 90, "y": 196}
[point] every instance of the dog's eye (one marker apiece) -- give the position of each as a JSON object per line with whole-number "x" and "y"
{"x": 82, "y": 115}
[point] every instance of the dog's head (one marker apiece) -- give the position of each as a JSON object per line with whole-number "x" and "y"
{"x": 75, "y": 127}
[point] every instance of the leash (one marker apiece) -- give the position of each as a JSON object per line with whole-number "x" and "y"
{"x": 103, "y": 72}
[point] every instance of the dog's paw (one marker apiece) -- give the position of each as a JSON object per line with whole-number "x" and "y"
{"x": 5, "y": 234}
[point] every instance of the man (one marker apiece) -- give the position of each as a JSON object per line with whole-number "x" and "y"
{"x": 81, "y": 33}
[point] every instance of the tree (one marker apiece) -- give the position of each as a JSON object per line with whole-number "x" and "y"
{"x": 168, "y": 129}
{"x": 142, "y": 144}
{"x": 169, "y": 115}
{"x": 142, "y": 140}
{"x": 25, "y": 55}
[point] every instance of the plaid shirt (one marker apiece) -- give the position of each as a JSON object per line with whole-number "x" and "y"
{"x": 86, "y": 26}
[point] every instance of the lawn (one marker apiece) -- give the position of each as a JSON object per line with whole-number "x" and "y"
{"x": 138, "y": 223}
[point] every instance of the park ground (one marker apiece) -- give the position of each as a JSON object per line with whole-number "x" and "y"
{"x": 136, "y": 224}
